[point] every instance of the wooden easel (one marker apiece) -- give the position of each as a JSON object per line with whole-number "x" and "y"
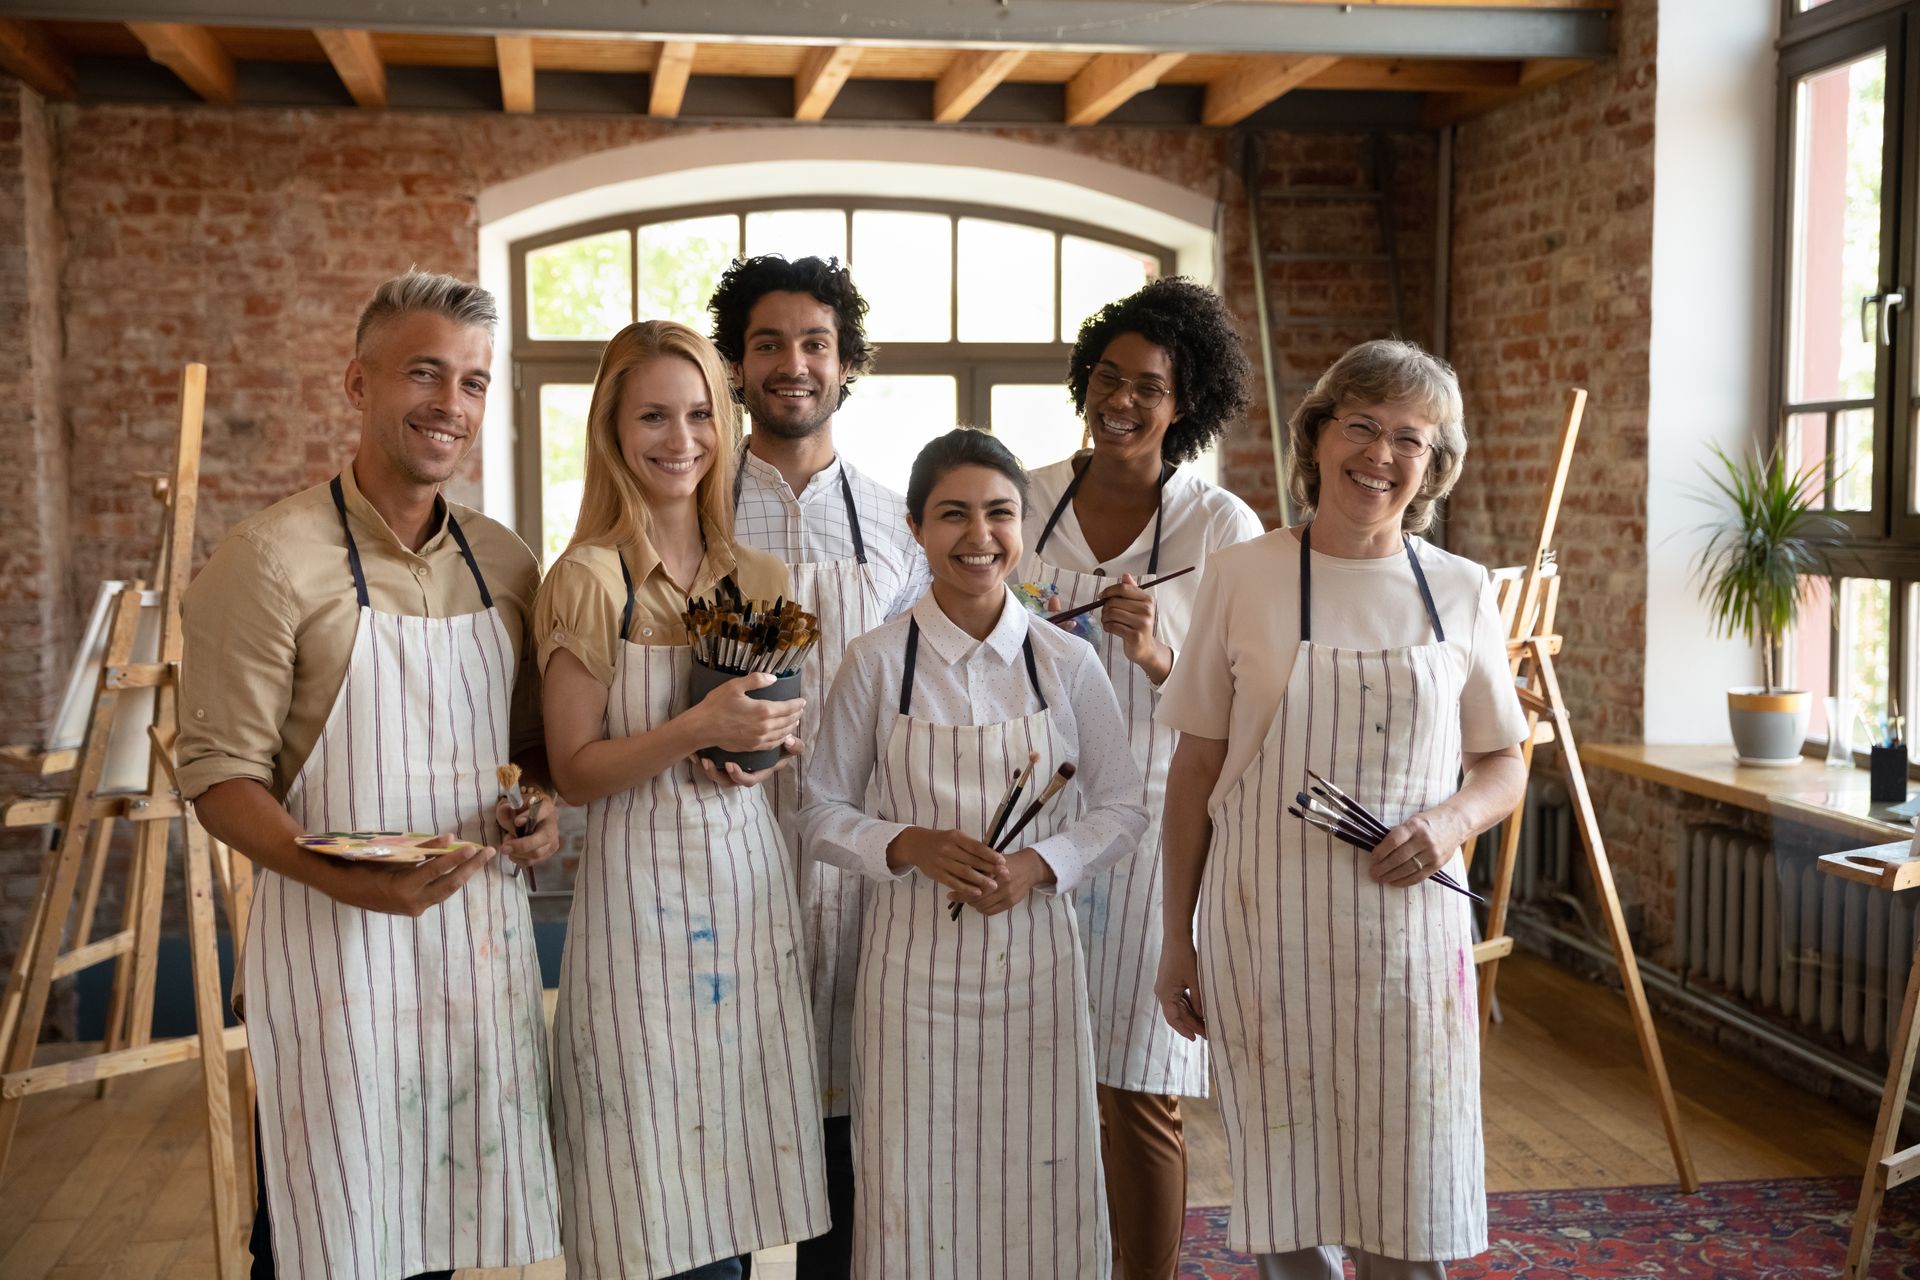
{"x": 1528, "y": 599}
{"x": 1887, "y": 869}
{"x": 84, "y": 816}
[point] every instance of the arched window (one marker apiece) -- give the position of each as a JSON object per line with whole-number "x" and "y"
{"x": 974, "y": 309}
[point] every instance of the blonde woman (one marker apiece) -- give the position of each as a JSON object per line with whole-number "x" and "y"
{"x": 685, "y": 1113}
{"x": 1335, "y": 986}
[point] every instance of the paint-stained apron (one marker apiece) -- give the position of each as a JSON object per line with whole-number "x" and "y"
{"x": 685, "y": 1120}
{"x": 402, "y": 1062}
{"x": 842, "y": 595}
{"x": 1119, "y": 906}
{"x": 1343, "y": 1012}
{"x": 976, "y": 1137}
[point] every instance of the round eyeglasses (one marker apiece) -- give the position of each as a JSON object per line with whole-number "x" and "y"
{"x": 1145, "y": 394}
{"x": 1407, "y": 442}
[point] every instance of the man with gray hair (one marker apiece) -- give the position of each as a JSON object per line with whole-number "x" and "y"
{"x": 357, "y": 661}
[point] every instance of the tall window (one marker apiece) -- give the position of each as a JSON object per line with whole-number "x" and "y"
{"x": 974, "y": 310}
{"x": 1845, "y": 387}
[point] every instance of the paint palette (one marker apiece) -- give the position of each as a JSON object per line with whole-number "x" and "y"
{"x": 379, "y": 846}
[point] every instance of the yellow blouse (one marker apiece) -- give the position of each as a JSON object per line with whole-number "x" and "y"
{"x": 578, "y": 608}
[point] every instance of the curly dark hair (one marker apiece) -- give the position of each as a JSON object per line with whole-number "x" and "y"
{"x": 748, "y": 280}
{"x": 1210, "y": 370}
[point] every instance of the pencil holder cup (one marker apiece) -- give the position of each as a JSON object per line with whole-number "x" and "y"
{"x": 705, "y": 680}
{"x": 1887, "y": 771}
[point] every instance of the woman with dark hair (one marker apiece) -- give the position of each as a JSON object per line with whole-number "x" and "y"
{"x": 1158, "y": 377}
{"x": 1335, "y": 985}
{"x": 975, "y": 1135}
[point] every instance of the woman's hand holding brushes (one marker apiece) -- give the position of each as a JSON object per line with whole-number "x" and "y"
{"x": 999, "y": 842}
{"x": 1346, "y": 819}
{"x": 1098, "y": 601}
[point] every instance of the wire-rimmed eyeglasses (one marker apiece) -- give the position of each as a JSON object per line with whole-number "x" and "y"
{"x": 1145, "y": 394}
{"x": 1406, "y": 442}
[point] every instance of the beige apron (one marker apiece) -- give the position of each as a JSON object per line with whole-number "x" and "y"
{"x": 1342, "y": 1012}
{"x": 1119, "y": 906}
{"x": 976, "y": 1137}
{"x": 403, "y": 1062}
{"x": 685, "y": 1121}
{"x": 841, "y": 594}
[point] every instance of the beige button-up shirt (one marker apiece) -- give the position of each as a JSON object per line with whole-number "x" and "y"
{"x": 270, "y": 624}
{"x": 584, "y": 595}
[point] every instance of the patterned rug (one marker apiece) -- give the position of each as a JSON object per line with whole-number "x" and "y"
{"x": 1773, "y": 1230}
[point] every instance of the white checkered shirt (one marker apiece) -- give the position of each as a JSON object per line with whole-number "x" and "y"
{"x": 813, "y": 526}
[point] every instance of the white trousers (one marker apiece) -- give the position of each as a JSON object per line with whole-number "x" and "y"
{"x": 1323, "y": 1263}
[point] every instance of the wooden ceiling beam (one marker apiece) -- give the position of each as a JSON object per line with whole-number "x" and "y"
{"x": 671, "y": 71}
{"x": 514, "y": 54}
{"x": 27, "y": 54}
{"x": 192, "y": 54}
{"x": 971, "y": 77}
{"x": 1418, "y": 75}
{"x": 820, "y": 78}
{"x": 1111, "y": 79}
{"x": 1441, "y": 109}
{"x": 357, "y": 62}
{"x": 1237, "y": 96}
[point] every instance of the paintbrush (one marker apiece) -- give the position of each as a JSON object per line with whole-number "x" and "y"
{"x": 1061, "y": 777}
{"x": 1070, "y": 614}
{"x": 1347, "y": 835}
{"x": 1015, "y": 785}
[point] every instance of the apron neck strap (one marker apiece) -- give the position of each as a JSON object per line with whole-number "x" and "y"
{"x": 359, "y": 572}
{"x": 1073, "y": 487}
{"x": 353, "y": 548}
{"x": 846, "y": 495}
{"x": 1306, "y": 585}
{"x": 626, "y": 612}
{"x": 913, "y": 656}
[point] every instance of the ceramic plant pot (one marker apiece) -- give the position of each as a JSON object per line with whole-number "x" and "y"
{"x": 1768, "y": 728}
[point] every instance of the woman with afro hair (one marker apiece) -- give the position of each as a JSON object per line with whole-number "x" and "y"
{"x": 1158, "y": 376}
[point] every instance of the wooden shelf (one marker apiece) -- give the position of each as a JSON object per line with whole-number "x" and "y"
{"x": 1808, "y": 793}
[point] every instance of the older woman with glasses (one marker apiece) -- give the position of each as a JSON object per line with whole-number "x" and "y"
{"x": 1334, "y": 983}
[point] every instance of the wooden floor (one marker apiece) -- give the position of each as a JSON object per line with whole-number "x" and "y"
{"x": 117, "y": 1188}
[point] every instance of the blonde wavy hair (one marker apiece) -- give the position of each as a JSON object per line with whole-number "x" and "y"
{"x": 613, "y": 510}
{"x": 1384, "y": 371}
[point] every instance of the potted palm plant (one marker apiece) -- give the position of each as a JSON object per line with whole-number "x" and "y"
{"x": 1757, "y": 570}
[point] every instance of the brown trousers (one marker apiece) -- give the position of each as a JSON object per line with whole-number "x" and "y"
{"x": 1144, "y": 1150}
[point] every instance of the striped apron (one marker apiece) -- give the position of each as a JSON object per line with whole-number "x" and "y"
{"x": 685, "y": 1122}
{"x": 976, "y": 1136}
{"x": 1343, "y": 1012}
{"x": 403, "y": 1062}
{"x": 841, "y": 594}
{"x": 1119, "y": 906}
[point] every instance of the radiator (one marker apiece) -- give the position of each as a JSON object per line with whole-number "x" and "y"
{"x": 1771, "y": 930}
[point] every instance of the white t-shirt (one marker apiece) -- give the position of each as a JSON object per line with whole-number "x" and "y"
{"x": 1232, "y": 673}
{"x": 1197, "y": 519}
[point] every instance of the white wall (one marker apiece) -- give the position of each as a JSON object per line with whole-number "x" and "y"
{"x": 1707, "y": 372}
{"x": 708, "y": 166}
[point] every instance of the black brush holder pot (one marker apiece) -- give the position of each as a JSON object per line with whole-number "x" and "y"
{"x": 705, "y": 680}
{"x": 1887, "y": 770}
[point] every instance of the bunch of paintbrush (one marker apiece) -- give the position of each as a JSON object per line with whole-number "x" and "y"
{"x": 1333, "y": 811}
{"x": 730, "y": 633}
{"x": 999, "y": 835}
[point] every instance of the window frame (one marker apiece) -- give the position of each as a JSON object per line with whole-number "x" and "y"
{"x": 1882, "y": 544}
{"x": 975, "y": 366}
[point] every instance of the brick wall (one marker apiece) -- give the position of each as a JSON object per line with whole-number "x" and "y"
{"x": 35, "y": 591}
{"x": 1551, "y": 287}
{"x": 249, "y": 239}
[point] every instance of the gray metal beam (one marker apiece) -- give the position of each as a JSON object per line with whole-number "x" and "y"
{"x": 1233, "y": 26}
